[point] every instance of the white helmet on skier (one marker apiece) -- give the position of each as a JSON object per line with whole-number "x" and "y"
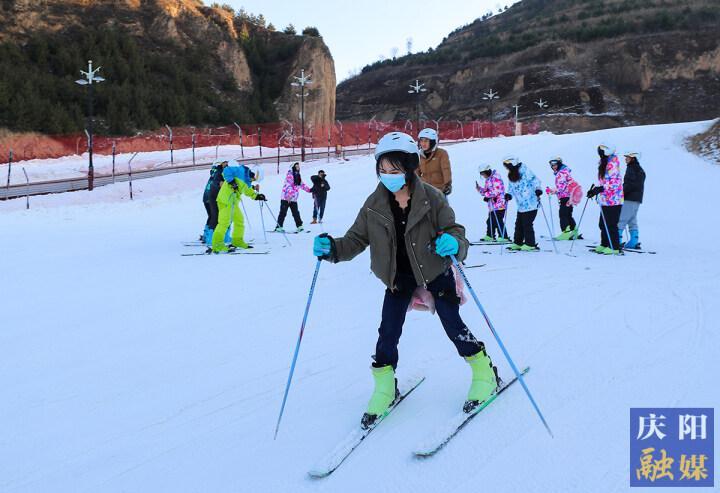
{"x": 258, "y": 173}
{"x": 606, "y": 148}
{"x": 395, "y": 142}
{"x": 428, "y": 133}
{"x": 484, "y": 168}
{"x": 511, "y": 161}
{"x": 636, "y": 155}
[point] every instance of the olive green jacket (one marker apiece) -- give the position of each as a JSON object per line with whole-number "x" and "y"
{"x": 430, "y": 214}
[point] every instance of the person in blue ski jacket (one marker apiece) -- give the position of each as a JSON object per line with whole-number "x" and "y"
{"x": 525, "y": 188}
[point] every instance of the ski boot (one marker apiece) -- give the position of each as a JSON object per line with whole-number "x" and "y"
{"x": 279, "y": 229}
{"x": 599, "y": 249}
{"x": 383, "y": 396}
{"x": 610, "y": 251}
{"x": 514, "y": 246}
{"x": 300, "y": 229}
{"x": 487, "y": 238}
{"x": 485, "y": 380}
{"x": 634, "y": 241}
{"x": 530, "y": 248}
{"x": 565, "y": 235}
{"x": 242, "y": 245}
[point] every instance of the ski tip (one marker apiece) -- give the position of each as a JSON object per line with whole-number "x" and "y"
{"x": 317, "y": 474}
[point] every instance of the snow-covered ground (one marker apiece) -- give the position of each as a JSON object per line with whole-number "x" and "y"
{"x": 127, "y": 367}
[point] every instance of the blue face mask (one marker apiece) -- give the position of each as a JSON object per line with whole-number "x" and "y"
{"x": 392, "y": 182}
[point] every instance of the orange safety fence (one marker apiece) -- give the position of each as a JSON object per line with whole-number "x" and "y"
{"x": 280, "y": 134}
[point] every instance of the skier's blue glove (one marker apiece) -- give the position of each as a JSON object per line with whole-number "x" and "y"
{"x": 446, "y": 245}
{"x": 324, "y": 247}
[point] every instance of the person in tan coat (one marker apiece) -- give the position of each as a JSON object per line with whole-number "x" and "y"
{"x": 434, "y": 162}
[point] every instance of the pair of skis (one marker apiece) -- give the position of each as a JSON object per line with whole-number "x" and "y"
{"x": 428, "y": 448}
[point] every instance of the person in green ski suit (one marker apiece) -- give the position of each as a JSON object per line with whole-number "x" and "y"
{"x": 237, "y": 181}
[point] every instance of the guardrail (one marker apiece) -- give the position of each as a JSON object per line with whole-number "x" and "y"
{"x": 81, "y": 183}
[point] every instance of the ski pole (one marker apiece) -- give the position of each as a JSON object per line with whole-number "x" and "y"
{"x": 297, "y": 346}
{"x": 500, "y": 343}
{"x": 577, "y": 226}
{"x": 247, "y": 218}
{"x": 504, "y": 231}
{"x": 552, "y": 223}
{"x": 262, "y": 220}
{"x": 607, "y": 230}
{"x": 552, "y": 237}
{"x": 276, "y": 222}
{"x": 497, "y": 222}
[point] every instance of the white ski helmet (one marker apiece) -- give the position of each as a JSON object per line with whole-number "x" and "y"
{"x": 232, "y": 162}
{"x": 606, "y": 148}
{"x": 396, "y": 142}
{"x": 258, "y": 172}
{"x": 636, "y": 155}
{"x": 428, "y": 133}
{"x": 512, "y": 161}
{"x": 484, "y": 168}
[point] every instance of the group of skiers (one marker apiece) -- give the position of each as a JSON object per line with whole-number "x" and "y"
{"x": 223, "y": 202}
{"x": 411, "y": 230}
{"x": 619, "y": 201}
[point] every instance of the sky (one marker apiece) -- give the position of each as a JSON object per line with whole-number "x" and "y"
{"x": 358, "y": 32}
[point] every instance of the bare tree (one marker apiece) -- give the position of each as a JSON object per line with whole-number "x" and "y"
{"x": 394, "y": 52}
{"x": 409, "y": 45}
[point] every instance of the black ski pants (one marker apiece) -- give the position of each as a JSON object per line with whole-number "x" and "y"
{"x": 524, "y": 231}
{"x": 293, "y": 206}
{"x": 447, "y": 306}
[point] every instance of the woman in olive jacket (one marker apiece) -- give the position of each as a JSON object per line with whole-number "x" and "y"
{"x": 411, "y": 231}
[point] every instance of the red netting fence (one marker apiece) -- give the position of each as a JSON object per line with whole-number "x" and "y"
{"x": 268, "y": 135}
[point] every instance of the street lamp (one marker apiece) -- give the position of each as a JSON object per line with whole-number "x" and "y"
{"x": 491, "y": 96}
{"x": 417, "y": 88}
{"x": 302, "y": 81}
{"x": 89, "y": 79}
{"x": 541, "y": 104}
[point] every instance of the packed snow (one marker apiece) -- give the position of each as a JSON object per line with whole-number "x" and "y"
{"x": 128, "y": 367}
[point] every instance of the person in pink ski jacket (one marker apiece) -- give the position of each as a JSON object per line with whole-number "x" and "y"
{"x": 289, "y": 197}
{"x": 493, "y": 192}
{"x": 610, "y": 198}
{"x": 563, "y": 183}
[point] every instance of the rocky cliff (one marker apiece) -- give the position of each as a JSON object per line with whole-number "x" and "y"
{"x": 596, "y": 64}
{"x": 183, "y": 62}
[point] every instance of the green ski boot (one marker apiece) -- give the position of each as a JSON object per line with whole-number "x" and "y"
{"x": 514, "y": 246}
{"x": 487, "y": 238}
{"x": 484, "y": 380}
{"x": 529, "y": 248}
{"x": 383, "y": 396}
{"x": 565, "y": 235}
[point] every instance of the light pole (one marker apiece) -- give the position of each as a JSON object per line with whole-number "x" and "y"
{"x": 242, "y": 150}
{"x": 491, "y": 96}
{"x": 302, "y": 81}
{"x": 170, "y": 134}
{"x": 89, "y": 79}
{"x": 417, "y": 88}
{"x": 517, "y": 109}
{"x": 541, "y": 104}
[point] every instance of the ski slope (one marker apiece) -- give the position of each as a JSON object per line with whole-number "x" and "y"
{"x": 127, "y": 367}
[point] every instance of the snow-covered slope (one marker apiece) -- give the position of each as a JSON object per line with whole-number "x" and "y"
{"x": 126, "y": 367}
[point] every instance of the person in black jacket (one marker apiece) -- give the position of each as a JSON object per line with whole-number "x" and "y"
{"x": 634, "y": 187}
{"x": 212, "y": 188}
{"x": 319, "y": 192}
